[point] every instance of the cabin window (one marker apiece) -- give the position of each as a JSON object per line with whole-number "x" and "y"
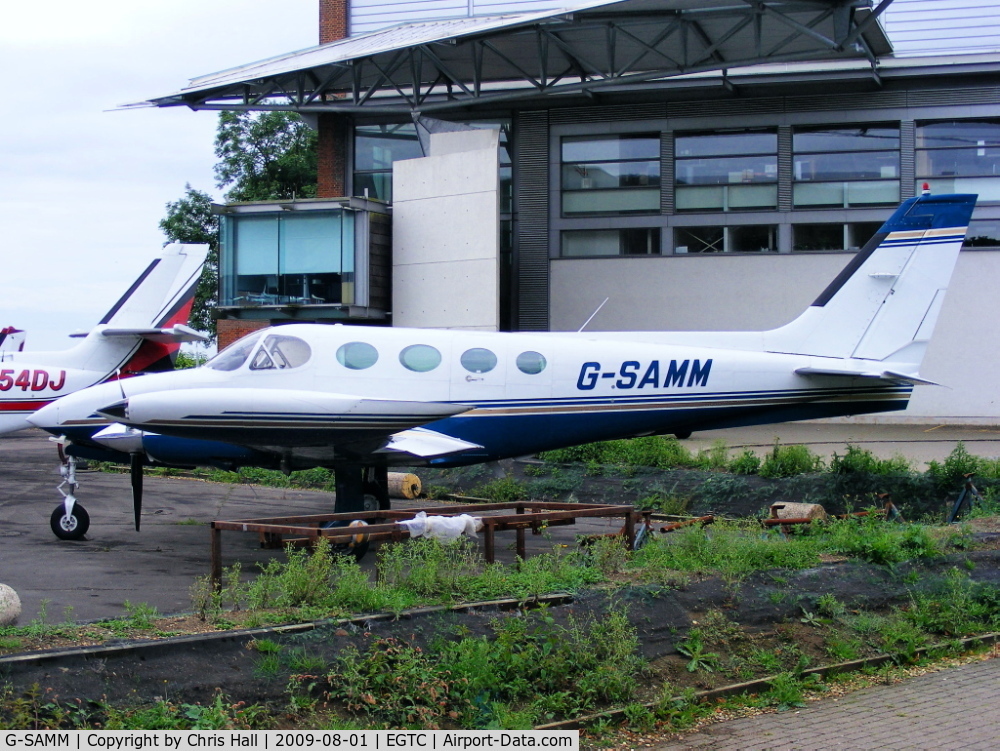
{"x": 531, "y": 363}
{"x": 478, "y": 360}
{"x": 420, "y": 358}
{"x": 233, "y": 356}
{"x": 281, "y": 352}
{"x": 357, "y": 355}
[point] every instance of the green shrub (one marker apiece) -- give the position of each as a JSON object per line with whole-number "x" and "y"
{"x": 956, "y": 606}
{"x": 530, "y": 667}
{"x": 502, "y": 490}
{"x": 747, "y": 463}
{"x": 862, "y": 461}
{"x": 788, "y": 461}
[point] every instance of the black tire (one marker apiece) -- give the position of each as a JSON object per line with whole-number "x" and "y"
{"x": 73, "y": 527}
{"x": 374, "y": 503}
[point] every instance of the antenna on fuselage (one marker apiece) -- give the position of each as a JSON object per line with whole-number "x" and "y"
{"x": 598, "y": 310}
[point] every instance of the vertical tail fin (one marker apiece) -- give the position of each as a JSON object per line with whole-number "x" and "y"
{"x": 161, "y": 298}
{"x": 156, "y": 298}
{"x": 11, "y": 339}
{"x": 884, "y": 304}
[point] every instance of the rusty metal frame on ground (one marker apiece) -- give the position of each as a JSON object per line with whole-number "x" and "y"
{"x": 384, "y": 524}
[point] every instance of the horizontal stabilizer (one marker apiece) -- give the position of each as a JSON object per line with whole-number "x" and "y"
{"x": 882, "y": 375}
{"x": 425, "y": 444}
{"x": 176, "y": 333}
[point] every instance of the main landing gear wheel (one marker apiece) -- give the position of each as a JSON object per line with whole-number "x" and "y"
{"x": 71, "y": 526}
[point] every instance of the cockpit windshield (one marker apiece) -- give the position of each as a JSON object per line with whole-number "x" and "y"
{"x": 235, "y": 354}
{"x": 279, "y": 352}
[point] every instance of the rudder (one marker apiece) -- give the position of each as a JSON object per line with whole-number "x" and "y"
{"x": 884, "y": 304}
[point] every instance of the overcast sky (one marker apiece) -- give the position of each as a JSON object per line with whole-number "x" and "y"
{"x": 83, "y": 188}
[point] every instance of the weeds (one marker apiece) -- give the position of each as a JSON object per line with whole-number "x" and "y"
{"x": 694, "y": 649}
{"x": 532, "y": 669}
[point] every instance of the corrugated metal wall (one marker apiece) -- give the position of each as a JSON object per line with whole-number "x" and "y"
{"x": 916, "y": 27}
{"x": 931, "y": 27}
{"x": 369, "y": 15}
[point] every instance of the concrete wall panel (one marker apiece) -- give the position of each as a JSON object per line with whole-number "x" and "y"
{"x": 449, "y": 295}
{"x": 446, "y": 241}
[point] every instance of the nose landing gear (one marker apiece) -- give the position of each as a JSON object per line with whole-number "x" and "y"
{"x": 69, "y": 520}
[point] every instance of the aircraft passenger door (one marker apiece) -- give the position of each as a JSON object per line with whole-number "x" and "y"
{"x": 478, "y": 373}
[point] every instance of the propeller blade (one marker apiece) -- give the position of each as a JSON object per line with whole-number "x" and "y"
{"x": 136, "y": 475}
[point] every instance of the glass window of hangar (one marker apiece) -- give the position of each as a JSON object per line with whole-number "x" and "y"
{"x": 610, "y": 174}
{"x": 642, "y": 241}
{"x": 839, "y": 236}
{"x": 846, "y": 167}
{"x": 959, "y": 157}
{"x": 726, "y": 171}
{"x": 747, "y": 238}
{"x": 376, "y": 147}
{"x": 293, "y": 257}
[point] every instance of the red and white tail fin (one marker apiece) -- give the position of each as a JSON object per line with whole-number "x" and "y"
{"x": 157, "y": 308}
{"x": 11, "y": 339}
{"x": 144, "y": 329}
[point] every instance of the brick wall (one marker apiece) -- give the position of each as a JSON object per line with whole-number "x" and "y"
{"x": 331, "y": 179}
{"x": 332, "y": 145}
{"x": 332, "y": 20}
{"x": 231, "y": 329}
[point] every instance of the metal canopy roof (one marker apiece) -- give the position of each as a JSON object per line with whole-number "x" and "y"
{"x": 442, "y": 65}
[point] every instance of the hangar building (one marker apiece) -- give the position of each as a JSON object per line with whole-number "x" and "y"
{"x": 698, "y": 164}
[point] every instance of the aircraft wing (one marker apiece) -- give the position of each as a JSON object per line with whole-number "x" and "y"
{"x": 273, "y": 417}
{"x": 176, "y": 333}
{"x": 882, "y": 375}
{"x": 425, "y": 444}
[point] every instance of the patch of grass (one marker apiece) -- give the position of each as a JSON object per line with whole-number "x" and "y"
{"x": 502, "y": 490}
{"x": 671, "y": 504}
{"x": 857, "y": 460}
{"x": 788, "y": 691}
{"x": 693, "y": 648}
{"x": 219, "y": 714}
{"x": 747, "y": 463}
{"x": 788, "y": 461}
{"x": 531, "y": 669}
{"x": 729, "y": 549}
{"x": 955, "y": 605}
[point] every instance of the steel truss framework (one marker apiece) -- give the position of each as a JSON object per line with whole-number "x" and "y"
{"x": 434, "y": 67}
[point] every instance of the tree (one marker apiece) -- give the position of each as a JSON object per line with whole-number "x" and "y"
{"x": 190, "y": 220}
{"x": 265, "y": 156}
{"x": 262, "y": 156}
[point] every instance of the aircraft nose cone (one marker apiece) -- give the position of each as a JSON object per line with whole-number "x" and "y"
{"x": 117, "y": 411}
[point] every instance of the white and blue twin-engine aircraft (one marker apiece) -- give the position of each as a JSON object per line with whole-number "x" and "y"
{"x": 360, "y": 399}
